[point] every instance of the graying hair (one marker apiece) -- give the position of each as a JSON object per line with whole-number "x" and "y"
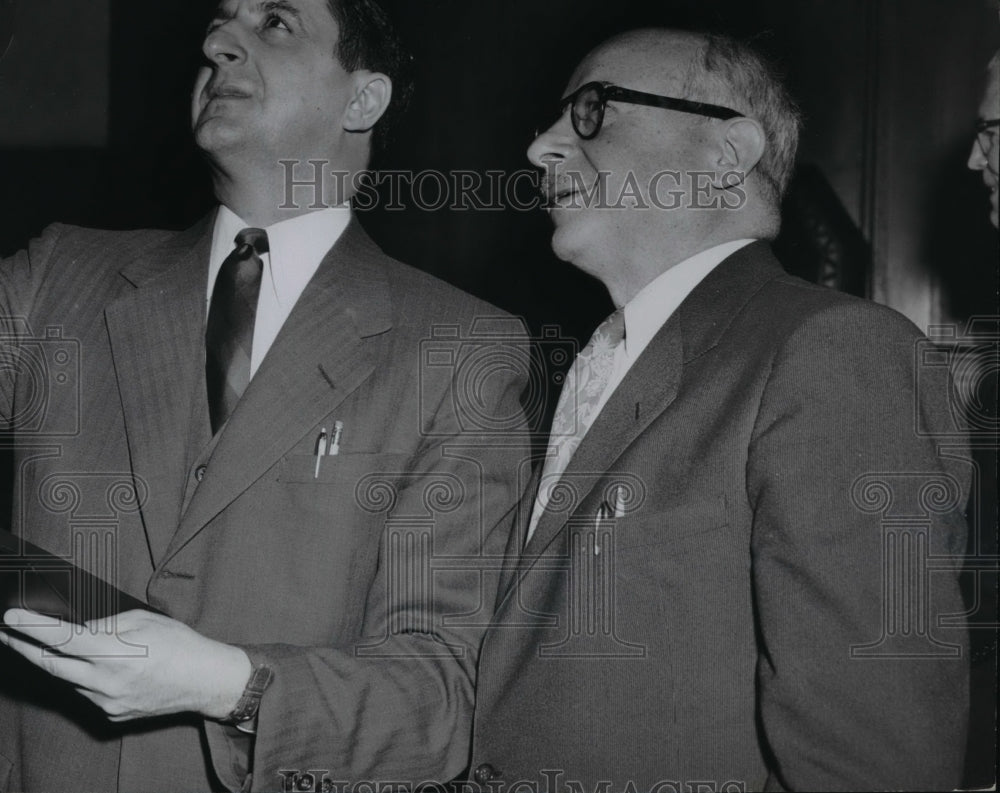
{"x": 730, "y": 73}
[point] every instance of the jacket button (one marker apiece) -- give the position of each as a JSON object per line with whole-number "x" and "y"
{"x": 485, "y": 773}
{"x": 199, "y": 472}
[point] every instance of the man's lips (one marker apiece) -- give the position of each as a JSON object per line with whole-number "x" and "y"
{"x": 563, "y": 198}
{"x": 550, "y": 193}
{"x": 216, "y": 97}
{"x": 556, "y": 196}
{"x": 226, "y": 91}
{"x": 225, "y": 87}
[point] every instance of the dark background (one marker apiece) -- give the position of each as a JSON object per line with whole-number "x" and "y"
{"x": 94, "y": 130}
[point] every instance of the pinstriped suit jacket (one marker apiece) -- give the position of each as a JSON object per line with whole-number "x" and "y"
{"x": 776, "y": 604}
{"x": 334, "y": 578}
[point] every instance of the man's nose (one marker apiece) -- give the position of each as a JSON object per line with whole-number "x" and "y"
{"x": 222, "y": 46}
{"x": 553, "y": 145}
{"x": 977, "y": 157}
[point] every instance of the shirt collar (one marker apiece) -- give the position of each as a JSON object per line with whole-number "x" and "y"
{"x": 297, "y": 246}
{"x": 649, "y": 310}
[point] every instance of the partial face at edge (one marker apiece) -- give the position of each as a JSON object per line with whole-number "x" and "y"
{"x": 988, "y": 161}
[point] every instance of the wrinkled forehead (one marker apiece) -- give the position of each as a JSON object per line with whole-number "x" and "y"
{"x": 227, "y": 9}
{"x": 652, "y": 61}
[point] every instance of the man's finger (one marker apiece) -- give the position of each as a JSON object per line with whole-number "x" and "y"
{"x": 95, "y": 639}
{"x": 52, "y": 661}
{"x": 22, "y": 618}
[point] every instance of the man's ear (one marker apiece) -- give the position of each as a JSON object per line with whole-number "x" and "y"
{"x": 372, "y": 94}
{"x": 742, "y": 147}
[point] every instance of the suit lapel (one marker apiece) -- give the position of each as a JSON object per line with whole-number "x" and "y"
{"x": 318, "y": 359}
{"x": 653, "y": 382}
{"x": 647, "y": 390}
{"x": 515, "y": 542}
{"x": 155, "y": 330}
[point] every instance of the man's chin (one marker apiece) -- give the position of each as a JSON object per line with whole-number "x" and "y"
{"x": 216, "y": 134}
{"x": 577, "y": 244}
{"x": 563, "y": 242}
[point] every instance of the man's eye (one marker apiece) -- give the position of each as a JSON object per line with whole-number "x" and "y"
{"x": 276, "y": 22}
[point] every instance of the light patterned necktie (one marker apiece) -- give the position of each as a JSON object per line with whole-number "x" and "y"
{"x": 585, "y": 384}
{"x": 231, "y": 319}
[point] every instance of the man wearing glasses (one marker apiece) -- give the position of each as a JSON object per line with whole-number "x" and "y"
{"x": 985, "y": 155}
{"x": 717, "y": 581}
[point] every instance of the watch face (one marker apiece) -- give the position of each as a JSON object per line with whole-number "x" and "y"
{"x": 8, "y": 10}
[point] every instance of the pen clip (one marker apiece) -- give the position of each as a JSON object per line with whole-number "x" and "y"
{"x": 603, "y": 513}
{"x": 619, "y": 502}
{"x": 320, "y": 451}
{"x": 338, "y": 430}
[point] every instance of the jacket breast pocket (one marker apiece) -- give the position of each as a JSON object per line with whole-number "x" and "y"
{"x": 342, "y": 470}
{"x": 680, "y": 525}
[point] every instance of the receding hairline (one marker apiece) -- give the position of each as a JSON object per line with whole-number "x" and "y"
{"x": 663, "y": 52}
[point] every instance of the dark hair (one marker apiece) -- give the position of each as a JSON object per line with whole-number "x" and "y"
{"x": 368, "y": 40}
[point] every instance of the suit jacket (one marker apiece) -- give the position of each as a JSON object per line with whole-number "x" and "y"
{"x": 360, "y": 585}
{"x": 769, "y": 608}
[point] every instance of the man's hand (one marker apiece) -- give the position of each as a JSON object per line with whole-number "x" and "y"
{"x": 134, "y": 665}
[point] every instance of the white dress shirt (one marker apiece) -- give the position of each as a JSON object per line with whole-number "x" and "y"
{"x": 297, "y": 246}
{"x": 645, "y": 315}
{"x": 648, "y": 311}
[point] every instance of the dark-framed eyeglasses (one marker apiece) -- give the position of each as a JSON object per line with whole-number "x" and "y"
{"x": 986, "y": 133}
{"x": 588, "y": 103}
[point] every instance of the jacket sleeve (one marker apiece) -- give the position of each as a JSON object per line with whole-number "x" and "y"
{"x": 858, "y": 530}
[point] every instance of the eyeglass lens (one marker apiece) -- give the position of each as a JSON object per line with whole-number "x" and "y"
{"x": 588, "y": 113}
{"x": 986, "y": 133}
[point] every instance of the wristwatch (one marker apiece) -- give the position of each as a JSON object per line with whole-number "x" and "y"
{"x": 246, "y": 708}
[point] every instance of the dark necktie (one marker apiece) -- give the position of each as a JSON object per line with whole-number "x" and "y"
{"x": 231, "y": 316}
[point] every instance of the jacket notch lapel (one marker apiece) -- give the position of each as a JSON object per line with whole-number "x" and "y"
{"x": 652, "y": 384}
{"x": 155, "y": 331}
{"x": 648, "y": 389}
{"x": 322, "y": 354}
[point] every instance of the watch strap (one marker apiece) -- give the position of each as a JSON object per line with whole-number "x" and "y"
{"x": 249, "y": 703}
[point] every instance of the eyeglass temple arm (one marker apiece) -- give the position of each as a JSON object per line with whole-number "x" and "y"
{"x": 669, "y": 103}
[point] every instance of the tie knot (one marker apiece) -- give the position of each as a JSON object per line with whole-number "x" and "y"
{"x": 255, "y": 238}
